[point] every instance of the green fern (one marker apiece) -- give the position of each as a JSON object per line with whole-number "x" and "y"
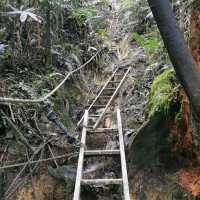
{"x": 148, "y": 42}
{"x": 82, "y": 14}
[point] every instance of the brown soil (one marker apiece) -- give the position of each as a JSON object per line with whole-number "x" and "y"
{"x": 195, "y": 40}
{"x": 44, "y": 187}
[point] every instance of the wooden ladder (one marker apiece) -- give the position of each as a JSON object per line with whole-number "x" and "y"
{"x": 83, "y": 154}
{"x": 108, "y": 93}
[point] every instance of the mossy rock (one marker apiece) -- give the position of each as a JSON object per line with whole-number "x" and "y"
{"x": 150, "y": 148}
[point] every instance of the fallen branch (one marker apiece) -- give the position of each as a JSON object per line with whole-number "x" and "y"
{"x": 37, "y": 161}
{"x": 2, "y": 156}
{"x": 31, "y": 174}
{"x": 24, "y": 167}
{"x": 18, "y": 132}
{"x": 20, "y": 182}
{"x": 52, "y": 154}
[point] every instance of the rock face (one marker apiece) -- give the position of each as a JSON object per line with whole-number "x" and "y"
{"x": 149, "y": 148}
{"x": 151, "y": 142}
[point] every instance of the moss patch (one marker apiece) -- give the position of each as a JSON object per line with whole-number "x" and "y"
{"x": 162, "y": 92}
{"x": 196, "y": 4}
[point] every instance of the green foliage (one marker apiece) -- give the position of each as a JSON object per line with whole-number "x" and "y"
{"x": 127, "y": 4}
{"x": 152, "y": 43}
{"x": 3, "y": 123}
{"x": 103, "y": 2}
{"x": 2, "y": 33}
{"x": 196, "y": 4}
{"x": 82, "y": 14}
{"x": 139, "y": 39}
{"x": 149, "y": 42}
{"x": 44, "y": 92}
{"x": 162, "y": 92}
{"x": 6, "y": 54}
{"x": 102, "y": 32}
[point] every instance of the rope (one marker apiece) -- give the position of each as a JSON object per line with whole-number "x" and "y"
{"x": 4, "y": 100}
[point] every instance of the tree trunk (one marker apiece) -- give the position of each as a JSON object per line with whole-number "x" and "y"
{"x": 179, "y": 53}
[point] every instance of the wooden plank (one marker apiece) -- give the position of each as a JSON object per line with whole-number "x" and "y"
{"x": 101, "y": 152}
{"x": 110, "y": 88}
{"x": 78, "y": 124}
{"x": 81, "y": 159}
{"x": 106, "y": 97}
{"x": 102, "y": 130}
{"x": 114, "y": 82}
{"x": 96, "y": 106}
{"x": 91, "y": 116}
{"x": 102, "y": 181}
{"x": 119, "y": 74}
{"x": 111, "y": 99}
{"x": 123, "y": 158}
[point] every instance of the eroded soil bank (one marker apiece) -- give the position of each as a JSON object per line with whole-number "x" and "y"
{"x": 163, "y": 164}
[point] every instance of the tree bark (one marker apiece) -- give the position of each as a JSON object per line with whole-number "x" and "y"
{"x": 179, "y": 53}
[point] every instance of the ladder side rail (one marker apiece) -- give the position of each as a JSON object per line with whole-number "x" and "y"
{"x": 123, "y": 158}
{"x": 79, "y": 174}
{"x": 111, "y": 99}
{"x": 113, "y": 74}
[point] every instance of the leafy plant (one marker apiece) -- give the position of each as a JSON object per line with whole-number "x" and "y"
{"x": 150, "y": 42}
{"x": 3, "y": 123}
{"x": 139, "y": 39}
{"x": 44, "y": 92}
{"x": 126, "y": 4}
{"x": 82, "y": 14}
{"x": 24, "y": 14}
{"x": 196, "y": 4}
{"x": 162, "y": 92}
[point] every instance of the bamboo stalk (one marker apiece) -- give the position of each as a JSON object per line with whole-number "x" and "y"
{"x": 123, "y": 158}
{"x": 79, "y": 174}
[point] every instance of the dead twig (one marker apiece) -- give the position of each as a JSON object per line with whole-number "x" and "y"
{"x": 18, "y": 132}
{"x": 52, "y": 155}
{"x": 11, "y": 112}
{"x": 31, "y": 174}
{"x": 37, "y": 161}
{"x": 2, "y": 156}
{"x": 24, "y": 167}
{"x": 23, "y": 181}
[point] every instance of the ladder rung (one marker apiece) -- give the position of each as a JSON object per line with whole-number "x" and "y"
{"x": 107, "y": 129}
{"x": 99, "y": 106}
{"x": 114, "y": 82}
{"x": 91, "y": 124}
{"x": 89, "y": 128}
{"x": 102, "y": 130}
{"x": 119, "y": 74}
{"x": 110, "y": 88}
{"x": 101, "y": 152}
{"x": 105, "y": 97}
{"x": 94, "y": 116}
{"x": 96, "y": 106}
{"x": 102, "y": 181}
